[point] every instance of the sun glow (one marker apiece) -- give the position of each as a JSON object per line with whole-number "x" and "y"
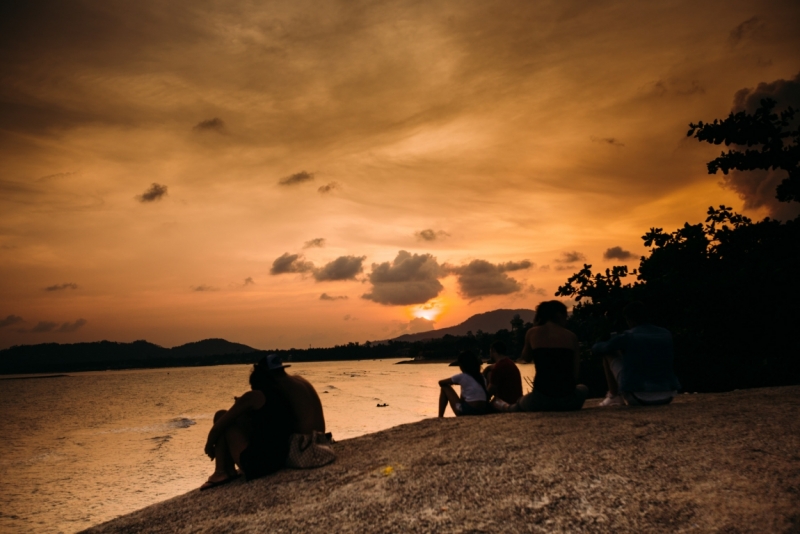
{"x": 430, "y": 310}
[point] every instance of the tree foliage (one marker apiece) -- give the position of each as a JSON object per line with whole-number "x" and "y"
{"x": 772, "y": 141}
{"x": 728, "y": 288}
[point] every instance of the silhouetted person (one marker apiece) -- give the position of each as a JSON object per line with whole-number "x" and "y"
{"x": 302, "y": 396}
{"x": 554, "y": 351}
{"x": 253, "y": 433}
{"x": 502, "y": 375}
{"x": 638, "y": 362}
{"x": 474, "y": 397}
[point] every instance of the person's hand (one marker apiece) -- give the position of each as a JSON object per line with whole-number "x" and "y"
{"x": 210, "y": 448}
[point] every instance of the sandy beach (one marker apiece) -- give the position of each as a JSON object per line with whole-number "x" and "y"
{"x": 727, "y": 462}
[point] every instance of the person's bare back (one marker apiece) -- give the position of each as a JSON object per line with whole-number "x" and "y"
{"x": 305, "y": 403}
{"x": 551, "y": 335}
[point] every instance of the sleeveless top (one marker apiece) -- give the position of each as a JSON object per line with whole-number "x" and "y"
{"x": 554, "y": 371}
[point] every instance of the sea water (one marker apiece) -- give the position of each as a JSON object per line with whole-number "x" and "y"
{"x": 87, "y": 447}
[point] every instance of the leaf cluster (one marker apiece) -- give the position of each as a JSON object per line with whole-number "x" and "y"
{"x": 772, "y": 140}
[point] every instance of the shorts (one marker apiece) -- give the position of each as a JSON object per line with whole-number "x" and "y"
{"x": 639, "y": 398}
{"x": 467, "y": 409}
{"x": 539, "y": 402}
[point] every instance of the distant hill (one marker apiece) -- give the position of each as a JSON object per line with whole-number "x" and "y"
{"x": 100, "y": 355}
{"x": 489, "y": 322}
{"x": 210, "y": 347}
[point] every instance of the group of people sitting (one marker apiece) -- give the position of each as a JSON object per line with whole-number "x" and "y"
{"x": 282, "y": 412}
{"x": 638, "y": 364}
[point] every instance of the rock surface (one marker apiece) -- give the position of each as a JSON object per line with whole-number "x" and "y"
{"x": 727, "y": 462}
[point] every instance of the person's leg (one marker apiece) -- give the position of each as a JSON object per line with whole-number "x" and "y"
{"x": 612, "y": 365}
{"x": 611, "y": 380}
{"x": 448, "y": 395}
{"x": 228, "y": 449}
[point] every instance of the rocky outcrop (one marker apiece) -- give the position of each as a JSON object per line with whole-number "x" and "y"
{"x": 726, "y": 462}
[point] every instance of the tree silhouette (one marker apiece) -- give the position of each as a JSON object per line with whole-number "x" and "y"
{"x": 727, "y": 288}
{"x": 777, "y": 145}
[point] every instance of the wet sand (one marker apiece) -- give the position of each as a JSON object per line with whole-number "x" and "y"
{"x": 727, "y": 462}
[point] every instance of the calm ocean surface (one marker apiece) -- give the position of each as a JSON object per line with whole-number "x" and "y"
{"x": 85, "y": 448}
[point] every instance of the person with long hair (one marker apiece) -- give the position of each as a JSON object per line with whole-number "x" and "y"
{"x": 474, "y": 397}
{"x": 253, "y": 433}
{"x": 554, "y": 352}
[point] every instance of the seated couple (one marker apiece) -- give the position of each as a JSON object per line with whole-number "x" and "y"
{"x": 255, "y": 432}
{"x": 554, "y": 352}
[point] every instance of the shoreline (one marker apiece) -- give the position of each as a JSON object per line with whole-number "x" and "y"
{"x": 707, "y": 462}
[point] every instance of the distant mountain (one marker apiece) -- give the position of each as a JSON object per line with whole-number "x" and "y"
{"x": 210, "y": 347}
{"x": 100, "y": 355}
{"x": 489, "y": 322}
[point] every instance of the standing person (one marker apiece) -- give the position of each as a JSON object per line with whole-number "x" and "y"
{"x": 554, "y": 351}
{"x": 302, "y": 396}
{"x": 502, "y": 376}
{"x": 253, "y": 433}
{"x": 474, "y": 397}
{"x": 638, "y": 363}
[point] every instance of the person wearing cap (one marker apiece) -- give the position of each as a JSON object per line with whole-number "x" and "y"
{"x": 253, "y": 433}
{"x": 303, "y": 398}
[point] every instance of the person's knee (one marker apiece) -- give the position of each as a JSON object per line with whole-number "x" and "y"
{"x": 219, "y": 414}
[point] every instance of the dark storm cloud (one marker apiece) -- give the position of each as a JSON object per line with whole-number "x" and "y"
{"x": 480, "y": 278}
{"x": 757, "y": 188}
{"x": 43, "y": 327}
{"x": 430, "y": 235}
{"x": 10, "y": 320}
{"x": 613, "y": 141}
{"x": 317, "y": 242}
{"x": 342, "y": 268}
{"x": 617, "y": 253}
{"x": 570, "y": 257}
{"x": 747, "y": 29}
{"x": 71, "y": 327}
{"x": 153, "y": 193}
{"x": 210, "y": 125}
{"x": 408, "y": 279}
{"x": 784, "y": 92}
{"x": 325, "y": 296}
{"x": 327, "y": 188}
{"x": 296, "y": 178}
{"x": 61, "y": 287}
{"x": 290, "y": 263}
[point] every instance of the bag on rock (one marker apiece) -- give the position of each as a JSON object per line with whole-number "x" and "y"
{"x": 310, "y": 450}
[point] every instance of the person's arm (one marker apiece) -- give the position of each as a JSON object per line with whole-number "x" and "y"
{"x": 611, "y": 346}
{"x": 527, "y": 354}
{"x": 487, "y": 375}
{"x": 446, "y": 382}
{"x": 252, "y": 400}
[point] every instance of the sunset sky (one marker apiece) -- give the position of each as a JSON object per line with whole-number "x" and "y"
{"x": 289, "y": 173}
